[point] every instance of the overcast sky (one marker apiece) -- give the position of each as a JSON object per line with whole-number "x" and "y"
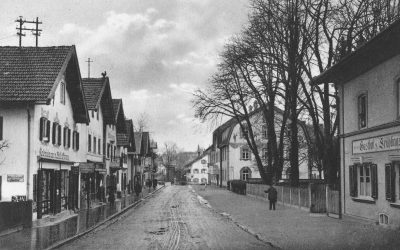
{"x": 155, "y": 52}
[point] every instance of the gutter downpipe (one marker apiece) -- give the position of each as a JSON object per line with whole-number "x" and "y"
{"x": 342, "y": 170}
{"x": 28, "y": 171}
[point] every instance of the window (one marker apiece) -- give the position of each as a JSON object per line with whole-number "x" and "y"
{"x": 108, "y": 150}
{"x": 264, "y": 153}
{"x": 245, "y": 174}
{"x": 264, "y": 131}
{"x": 94, "y": 144}
{"x": 44, "y": 132}
{"x": 99, "y": 146}
{"x": 97, "y": 114}
{"x": 392, "y": 181}
{"x": 89, "y": 143}
{"x": 244, "y": 131}
{"x": 115, "y": 149}
{"x": 245, "y": 153}
{"x": 62, "y": 92}
{"x": 75, "y": 140}
{"x": 56, "y": 134}
{"x": 195, "y": 171}
{"x": 363, "y": 180}
{"x": 362, "y": 110}
{"x": 204, "y": 171}
{"x": 67, "y": 137}
{"x": 1, "y": 128}
{"x": 92, "y": 113}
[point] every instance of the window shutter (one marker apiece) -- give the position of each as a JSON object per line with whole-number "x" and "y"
{"x": 388, "y": 182}
{"x": 41, "y": 126}
{"x": 74, "y": 140}
{"x": 374, "y": 181}
{"x": 53, "y": 136}
{"x": 65, "y": 136}
{"x": 69, "y": 138}
{"x": 59, "y": 135}
{"x": 77, "y": 140}
{"x": 353, "y": 180}
{"x": 48, "y": 123}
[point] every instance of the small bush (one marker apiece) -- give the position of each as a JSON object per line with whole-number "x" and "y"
{"x": 238, "y": 186}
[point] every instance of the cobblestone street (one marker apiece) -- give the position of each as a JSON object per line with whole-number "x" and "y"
{"x": 172, "y": 219}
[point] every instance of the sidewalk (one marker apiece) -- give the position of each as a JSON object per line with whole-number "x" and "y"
{"x": 42, "y": 237}
{"x": 291, "y": 228}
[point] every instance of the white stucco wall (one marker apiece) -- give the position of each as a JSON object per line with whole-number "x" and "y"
{"x": 200, "y": 164}
{"x": 380, "y": 85}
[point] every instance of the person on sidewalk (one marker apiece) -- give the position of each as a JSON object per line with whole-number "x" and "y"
{"x": 154, "y": 183}
{"x": 111, "y": 196}
{"x": 138, "y": 189}
{"x": 272, "y": 196}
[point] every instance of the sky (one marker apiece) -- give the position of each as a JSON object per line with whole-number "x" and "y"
{"x": 155, "y": 52}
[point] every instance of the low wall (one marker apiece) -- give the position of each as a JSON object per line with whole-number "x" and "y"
{"x": 15, "y": 214}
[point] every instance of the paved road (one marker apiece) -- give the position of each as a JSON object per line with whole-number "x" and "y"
{"x": 172, "y": 219}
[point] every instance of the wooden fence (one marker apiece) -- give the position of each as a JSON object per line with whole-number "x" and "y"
{"x": 316, "y": 197}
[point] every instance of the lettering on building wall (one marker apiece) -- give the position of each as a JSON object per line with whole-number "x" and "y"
{"x": 15, "y": 178}
{"x": 377, "y": 144}
{"x": 57, "y": 155}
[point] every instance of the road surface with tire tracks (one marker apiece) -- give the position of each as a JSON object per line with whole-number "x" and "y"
{"x": 172, "y": 219}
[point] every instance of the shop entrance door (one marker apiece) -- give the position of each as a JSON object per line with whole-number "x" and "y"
{"x": 57, "y": 192}
{"x": 73, "y": 188}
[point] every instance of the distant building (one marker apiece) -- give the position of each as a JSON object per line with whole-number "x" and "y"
{"x": 197, "y": 170}
{"x": 369, "y": 90}
{"x": 232, "y": 159}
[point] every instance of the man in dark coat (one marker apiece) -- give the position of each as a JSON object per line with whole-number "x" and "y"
{"x": 272, "y": 196}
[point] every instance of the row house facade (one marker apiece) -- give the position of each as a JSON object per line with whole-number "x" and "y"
{"x": 42, "y": 112}
{"x": 232, "y": 159}
{"x": 142, "y": 157}
{"x": 197, "y": 169}
{"x": 368, "y": 81}
{"x": 67, "y": 139}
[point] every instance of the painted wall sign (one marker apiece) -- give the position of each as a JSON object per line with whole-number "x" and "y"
{"x": 53, "y": 155}
{"x": 377, "y": 144}
{"x": 15, "y": 178}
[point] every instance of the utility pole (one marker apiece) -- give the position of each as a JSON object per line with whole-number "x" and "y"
{"x": 19, "y": 33}
{"x": 35, "y": 31}
{"x": 88, "y": 62}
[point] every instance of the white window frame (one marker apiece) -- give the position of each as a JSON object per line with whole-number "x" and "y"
{"x": 364, "y": 181}
{"x": 245, "y": 153}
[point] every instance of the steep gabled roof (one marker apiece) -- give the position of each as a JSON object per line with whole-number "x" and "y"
{"x": 98, "y": 94}
{"x": 119, "y": 115}
{"x": 32, "y": 74}
{"x": 138, "y": 142}
{"x": 131, "y": 135}
{"x": 145, "y": 149}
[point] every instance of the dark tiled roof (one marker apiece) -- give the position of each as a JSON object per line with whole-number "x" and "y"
{"x": 116, "y": 105}
{"x": 29, "y": 73}
{"x": 145, "y": 143}
{"x": 122, "y": 140}
{"x": 97, "y": 91}
{"x": 131, "y": 135}
{"x": 93, "y": 87}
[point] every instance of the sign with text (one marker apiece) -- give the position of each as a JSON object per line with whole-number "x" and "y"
{"x": 57, "y": 155}
{"x": 15, "y": 178}
{"x": 377, "y": 144}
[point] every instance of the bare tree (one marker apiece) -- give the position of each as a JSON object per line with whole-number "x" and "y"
{"x": 142, "y": 122}
{"x": 3, "y": 145}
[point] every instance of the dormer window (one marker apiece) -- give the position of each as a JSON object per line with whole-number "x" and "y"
{"x": 244, "y": 131}
{"x": 62, "y": 92}
{"x": 362, "y": 111}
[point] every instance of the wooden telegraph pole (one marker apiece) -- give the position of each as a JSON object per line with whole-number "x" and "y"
{"x": 35, "y": 31}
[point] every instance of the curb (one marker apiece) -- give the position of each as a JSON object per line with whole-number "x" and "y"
{"x": 65, "y": 241}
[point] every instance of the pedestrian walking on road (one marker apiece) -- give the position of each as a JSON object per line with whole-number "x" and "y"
{"x": 272, "y": 196}
{"x": 155, "y": 183}
{"x": 138, "y": 189}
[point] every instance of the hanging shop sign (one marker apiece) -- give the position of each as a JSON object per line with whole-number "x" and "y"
{"x": 15, "y": 178}
{"x": 56, "y": 155}
{"x": 377, "y": 144}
